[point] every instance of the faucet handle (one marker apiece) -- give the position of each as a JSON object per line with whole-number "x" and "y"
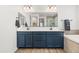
{"x": 50, "y": 28}
{"x": 27, "y": 28}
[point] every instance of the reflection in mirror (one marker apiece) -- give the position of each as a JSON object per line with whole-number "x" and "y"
{"x": 44, "y": 19}
{"x": 34, "y": 21}
{"x": 21, "y": 19}
{"x": 41, "y": 22}
{"x": 51, "y": 21}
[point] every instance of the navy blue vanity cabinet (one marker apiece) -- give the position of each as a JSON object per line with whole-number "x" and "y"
{"x": 28, "y": 39}
{"x": 21, "y": 39}
{"x": 55, "y": 39}
{"x": 38, "y": 39}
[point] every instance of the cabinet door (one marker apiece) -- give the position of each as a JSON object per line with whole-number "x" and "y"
{"x": 43, "y": 39}
{"x": 20, "y": 39}
{"x": 39, "y": 39}
{"x": 36, "y": 39}
{"x": 28, "y": 39}
{"x": 51, "y": 41}
{"x": 60, "y": 41}
{"x": 55, "y": 40}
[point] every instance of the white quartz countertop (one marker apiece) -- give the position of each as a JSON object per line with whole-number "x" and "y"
{"x": 74, "y": 38}
{"x": 38, "y": 29}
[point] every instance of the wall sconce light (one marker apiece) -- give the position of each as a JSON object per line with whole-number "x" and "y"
{"x": 52, "y": 8}
{"x": 27, "y": 7}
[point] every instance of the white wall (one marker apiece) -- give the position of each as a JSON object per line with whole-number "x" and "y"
{"x": 7, "y": 28}
{"x": 67, "y": 11}
{"x": 77, "y": 15}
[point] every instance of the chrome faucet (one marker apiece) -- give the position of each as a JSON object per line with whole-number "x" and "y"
{"x": 27, "y": 28}
{"x": 50, "y": 28}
